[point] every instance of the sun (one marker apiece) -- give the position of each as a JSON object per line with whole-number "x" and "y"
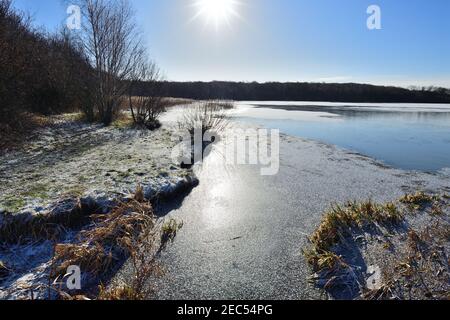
{"x": 216, "y": 12}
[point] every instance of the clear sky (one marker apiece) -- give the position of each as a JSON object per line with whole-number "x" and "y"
{"x": 290, "y": 40}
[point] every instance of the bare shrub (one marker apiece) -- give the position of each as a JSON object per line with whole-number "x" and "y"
{"x": 201, "y": 118}
{"x": 205, "y": 116}
{"x": 146, "y": 110}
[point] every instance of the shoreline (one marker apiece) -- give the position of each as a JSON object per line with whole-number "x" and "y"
{"x": 302, "y": 159}
{"x": 243, "y": 236}
{"x": 68, "y": 156}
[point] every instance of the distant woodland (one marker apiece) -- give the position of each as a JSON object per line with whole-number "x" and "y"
{"x": 291, "y": 91}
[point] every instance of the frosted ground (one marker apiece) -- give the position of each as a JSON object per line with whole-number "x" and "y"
{"x": 71, "y": 160}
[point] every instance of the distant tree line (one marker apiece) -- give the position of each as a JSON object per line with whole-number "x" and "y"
{"x": 293, "y": 91}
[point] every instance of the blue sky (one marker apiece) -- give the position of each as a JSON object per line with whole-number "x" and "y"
{"x": 291, "y": 40}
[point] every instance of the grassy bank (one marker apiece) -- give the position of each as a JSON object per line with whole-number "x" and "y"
{"x": 95, "y": 240}
{"x": 69, "y": 198}
{"x": 395, "y": 250}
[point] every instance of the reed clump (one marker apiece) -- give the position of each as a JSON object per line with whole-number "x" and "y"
{"x": 340, "y": 220}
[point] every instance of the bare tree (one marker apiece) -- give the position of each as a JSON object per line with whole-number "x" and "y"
{"x": 146, "y": 110}
{"x": 112, "y": 43}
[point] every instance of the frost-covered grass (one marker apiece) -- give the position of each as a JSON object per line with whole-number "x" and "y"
{"x": 112, "y": 238}
{"x": 418, "y": 200}
{"x": 67, "y": 197}
{"x": 407, "y": 240}
{"x": 339, "y": 221}
{"x": 72, "y": 159}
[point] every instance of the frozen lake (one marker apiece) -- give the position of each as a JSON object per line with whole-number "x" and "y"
{"x": 406, "y": 136}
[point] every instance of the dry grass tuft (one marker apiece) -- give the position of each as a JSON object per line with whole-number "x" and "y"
{"x": 113, "y": 238}
{"x": 322, "y": 260}
{"x": 109, "y": 240}
{"x": 169, "y": 231}
{"x": 339, "y": 221}
{"x": 331, "y": 271}
{"x": 143, "y": 267}
{"x": 418, "y": 200}
{"x": 93, "y": 259}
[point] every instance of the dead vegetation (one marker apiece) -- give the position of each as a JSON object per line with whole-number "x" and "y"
{"x": 102, "y": 244}
{"x": 146, "y": 109}
{"x": 205, "y": 116}
{"x": 114, "y": 237}
{"x": 420, "y": 269}
{"x": 415, "y": 260}
{"x": 206, "y": 120}
{"x": 143, "y": 266}
{"x": 418, "y": 200}
{"x": 127, "y": 232}
{"x": 169, "y": 232}
{"x": 41, "y": 74}
{"x": 20, "y": 228}
{"x": 340, "y": 221}
{"x": 23, "y": 127}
